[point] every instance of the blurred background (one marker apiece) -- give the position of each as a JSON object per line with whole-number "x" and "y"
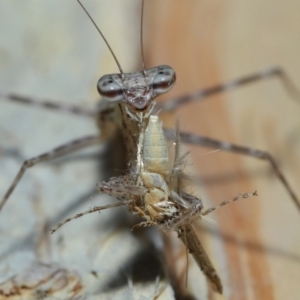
{"x": 51, "y": 50}
{"x": 207, "y": 43}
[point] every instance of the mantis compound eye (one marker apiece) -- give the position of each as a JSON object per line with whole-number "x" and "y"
{"x": 163, "y": 80}
{"x": 110, "y": 89}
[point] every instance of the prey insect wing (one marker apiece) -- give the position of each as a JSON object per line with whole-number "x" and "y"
{"x": 193, "y": 244}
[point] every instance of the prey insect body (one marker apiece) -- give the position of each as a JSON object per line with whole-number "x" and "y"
{"x": 159, "y": 203}
{"x": 150, "y": 177}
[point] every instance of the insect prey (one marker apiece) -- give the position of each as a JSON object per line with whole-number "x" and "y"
{"x": 156, "y": 192}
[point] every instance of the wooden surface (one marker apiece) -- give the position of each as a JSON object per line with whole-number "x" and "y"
{"x": 258, "y": 250}
{"x": 50, "y": 49}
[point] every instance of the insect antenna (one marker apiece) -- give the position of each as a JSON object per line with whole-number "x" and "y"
{"x": 103, "y": 37}
{"x": 141, "y": 36}
{"x": 239, "y": 197}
